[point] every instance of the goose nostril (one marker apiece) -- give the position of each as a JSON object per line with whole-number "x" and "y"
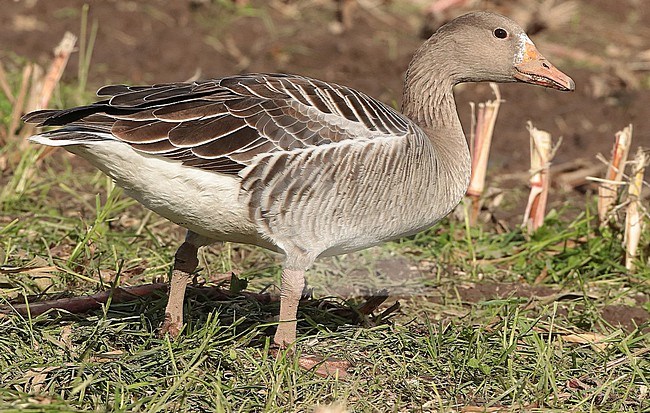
{"x": 545, "y": 65}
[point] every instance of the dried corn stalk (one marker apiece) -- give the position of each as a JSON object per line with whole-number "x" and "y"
{"x": 634, "y": 213}
{"x": 483, "y": 120}
{"x": 36, "y": 89}
{"x": 61, "y": 56}
{"x": 541, "y": 154}
{"x": 4, "y": 85}
{"x": 42, "y": 86}
{"x": 608, "y": 188}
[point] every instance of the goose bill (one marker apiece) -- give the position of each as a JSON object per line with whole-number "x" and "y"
{"x": 535, "y": 69}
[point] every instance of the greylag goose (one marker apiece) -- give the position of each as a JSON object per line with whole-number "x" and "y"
{"x": 297, "y": 165}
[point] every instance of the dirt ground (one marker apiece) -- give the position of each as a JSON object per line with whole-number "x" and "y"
{"x": 604, "y": 46}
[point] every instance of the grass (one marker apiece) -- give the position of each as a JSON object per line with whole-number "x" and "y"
{"x": 69, "y": 231}
{"x": 552, "y": 342}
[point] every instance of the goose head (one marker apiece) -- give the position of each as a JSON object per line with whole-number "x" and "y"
{"x": 484, "y": 46}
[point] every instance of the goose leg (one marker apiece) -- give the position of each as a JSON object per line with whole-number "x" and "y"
{"x": 293, "y": 283}
{"x": 291, "y": 290}
{"x": 185, "y": 262}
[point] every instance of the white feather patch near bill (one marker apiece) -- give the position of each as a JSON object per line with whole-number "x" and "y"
{"x": 521, "y": 47}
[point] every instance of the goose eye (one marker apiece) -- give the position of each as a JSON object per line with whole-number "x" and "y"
{"x": 500, "y": 33}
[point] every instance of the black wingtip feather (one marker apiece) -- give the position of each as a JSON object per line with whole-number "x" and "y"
{"x": 39, "y": 116}
{"x": 54, "y": 117}
{"x": 60, "y": 117}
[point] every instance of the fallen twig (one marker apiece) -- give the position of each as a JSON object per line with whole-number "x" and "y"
{"x": 85, "y": 303}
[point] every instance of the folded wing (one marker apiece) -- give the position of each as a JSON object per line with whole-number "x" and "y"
{"x": 222, "y": 125}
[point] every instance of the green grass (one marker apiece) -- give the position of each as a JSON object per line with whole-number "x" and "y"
{"x": 65, "y": 230}
{"x": 63, "y": 236}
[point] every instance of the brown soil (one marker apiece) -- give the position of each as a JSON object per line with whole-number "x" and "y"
{"x": 159, "y": 41}
{"x": 149, "y": 41}
{"x": 625, "y": 316}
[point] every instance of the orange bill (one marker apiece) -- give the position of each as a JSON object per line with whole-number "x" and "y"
{"x": 534, "y": 68}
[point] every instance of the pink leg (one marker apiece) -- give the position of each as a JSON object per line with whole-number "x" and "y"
{"x": 185, "y": 263}
{"x": 293, "y": 282}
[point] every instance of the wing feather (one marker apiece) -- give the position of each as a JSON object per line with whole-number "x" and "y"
{"x": 223, "y": 125}
{"x": 194, "y": 133}
{"x": 131, "y": 131}
{"x": 189, "y": 110}
{"x": 227, "y": 144}
{"x": 162, "y": 146}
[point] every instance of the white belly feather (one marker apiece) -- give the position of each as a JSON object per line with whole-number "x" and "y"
{"x": 204, "y": 202}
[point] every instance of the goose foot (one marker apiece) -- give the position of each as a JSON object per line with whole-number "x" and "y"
{"x": 324, "y": 367}
{"x": 170, "y": 327}
{"x": 320, "y": 366}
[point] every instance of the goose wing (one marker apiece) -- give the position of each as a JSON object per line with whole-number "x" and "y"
{"x": 222, "y": 125}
